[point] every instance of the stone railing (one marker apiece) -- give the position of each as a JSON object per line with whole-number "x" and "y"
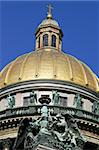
{"x": 76, "y": 112}
{"x": 32, "y": 110}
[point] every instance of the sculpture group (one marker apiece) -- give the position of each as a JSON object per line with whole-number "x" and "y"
{"x": 57, "y": 132}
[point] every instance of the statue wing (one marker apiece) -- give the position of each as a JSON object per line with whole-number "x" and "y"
{"x": 21, "y": 133}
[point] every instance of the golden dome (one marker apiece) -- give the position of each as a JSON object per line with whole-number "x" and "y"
{"x": 48, "y": 64}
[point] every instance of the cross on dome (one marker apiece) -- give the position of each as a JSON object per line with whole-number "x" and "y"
{"x": 49, "y": 13}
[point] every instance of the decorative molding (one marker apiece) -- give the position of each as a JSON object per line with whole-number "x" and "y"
{"x": 49, "y": 84}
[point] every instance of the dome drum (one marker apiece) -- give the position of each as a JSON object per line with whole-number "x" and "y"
{"x": 65, "y": 102}
{"x": 49, "y": 31}
{"x": 47, "y": 86}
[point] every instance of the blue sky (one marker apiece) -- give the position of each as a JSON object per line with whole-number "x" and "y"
{"x": 79, "y": 21}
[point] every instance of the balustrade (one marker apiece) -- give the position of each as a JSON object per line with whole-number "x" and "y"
{"x": 30, "y": 110}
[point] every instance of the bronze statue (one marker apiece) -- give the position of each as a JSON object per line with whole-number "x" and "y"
{"x": 78, "y": 101}
{"x": 55, "y": 97}
{"x": 11, "y": 101}
{"x": 59, "y": 132}
{"x": 33, "y": 98}
{"x": 62, "y": 130}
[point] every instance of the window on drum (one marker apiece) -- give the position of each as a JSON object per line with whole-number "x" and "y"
{"x": 53, "y": 43}
{"x": 45, "y": 40}
{"x": 63, "y": 101}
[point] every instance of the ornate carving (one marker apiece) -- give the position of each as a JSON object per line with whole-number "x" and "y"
{"x": 58, "y": 132}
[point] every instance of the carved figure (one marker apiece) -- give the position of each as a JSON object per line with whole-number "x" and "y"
{"x": 61, "y": 130}
{"x": 95, "y": 107}
{"x": 33, "y": 98}
{"x": 78, "y": 101}
{"x": 11, "y": 101}
{"x": 26, "y": 133}
{"x": 59, "y": 127}
{"x": 66, "y": 131}
{"x": 55, "y": 97}
{"x": 74, "y": 130}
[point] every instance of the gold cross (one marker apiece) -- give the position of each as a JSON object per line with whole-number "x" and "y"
{"x": 50, "y": 9}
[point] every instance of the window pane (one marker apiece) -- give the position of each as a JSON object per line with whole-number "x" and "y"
{"x": 26, "y": 101}
{"x": 39, "y": 42}
{"x": 63, "y": 101}
{"x": 53, "y": 41}
{"x": 45, "y": 40}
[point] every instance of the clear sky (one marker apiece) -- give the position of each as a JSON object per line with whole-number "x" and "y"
{"x": 79, "y": 21}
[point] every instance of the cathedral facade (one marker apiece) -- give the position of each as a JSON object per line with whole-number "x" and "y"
{"x": 49, "y": 100}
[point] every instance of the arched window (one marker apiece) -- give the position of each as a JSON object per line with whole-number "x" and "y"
{"x": 39, "y": 42}
{"x": 45, "y": 40}
{"x": 53, "y": 43}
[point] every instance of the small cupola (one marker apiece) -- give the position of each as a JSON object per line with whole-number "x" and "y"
{"x": 48, "y": 33}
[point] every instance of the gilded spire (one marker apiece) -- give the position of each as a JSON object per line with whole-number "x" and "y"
{"x": 49, "y": 13}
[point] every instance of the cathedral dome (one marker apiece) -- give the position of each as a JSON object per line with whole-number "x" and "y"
{"x": 50, "y": 64}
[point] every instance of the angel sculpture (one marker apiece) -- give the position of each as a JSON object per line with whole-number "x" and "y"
{"x": 65, "y": 129}
{"x": 61, "y": 129}
{"x": 27, "y": 130}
